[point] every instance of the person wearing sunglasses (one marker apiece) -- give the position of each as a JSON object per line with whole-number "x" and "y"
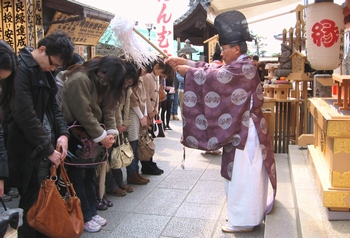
{"x": 36, "y": 126}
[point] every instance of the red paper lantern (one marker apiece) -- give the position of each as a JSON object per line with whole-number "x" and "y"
{"x": 324, "y": 35}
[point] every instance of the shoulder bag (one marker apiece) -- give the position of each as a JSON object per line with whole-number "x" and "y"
{"x": 53, "y": 215}
{"x": 122, "y": 154}
{"x": 146, "y": 146}
{"x": 160, "y": 125}
{"x": 82, "y": 150}
{"x": 157, "y": 128}
{"x": 162, "y": 93}
{"x": 153, "y": 129}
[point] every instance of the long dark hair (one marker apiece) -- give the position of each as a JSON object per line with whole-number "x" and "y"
{"x": 167, "y": 69}
{"x": 113, "y": 69}
{"x": 169, "y": 81}
{"x": 8, "y": 61}
{"x": 132, "y": 72}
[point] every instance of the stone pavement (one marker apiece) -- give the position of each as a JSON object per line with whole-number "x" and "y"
{"x": 190, "y": 202}
{"x": 187, "y": 202}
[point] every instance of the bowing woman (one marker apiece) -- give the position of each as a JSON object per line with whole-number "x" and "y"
{"x": 90, "y": 95}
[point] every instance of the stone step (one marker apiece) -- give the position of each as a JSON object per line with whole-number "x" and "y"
{"x": 310, "y": 221}
{"x": 299, "y": 211}
{"x": 281, "y": 222}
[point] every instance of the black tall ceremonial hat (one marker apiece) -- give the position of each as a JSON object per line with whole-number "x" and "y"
{"x": 232, "y": 27}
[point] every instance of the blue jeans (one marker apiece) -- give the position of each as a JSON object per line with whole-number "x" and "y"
{"x": 84, "y": 181}
{"x": 134, "y": 166}
{"x": 175, "y": 105}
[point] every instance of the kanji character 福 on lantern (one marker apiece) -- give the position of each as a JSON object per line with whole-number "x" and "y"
{"x": 324, "y": 35}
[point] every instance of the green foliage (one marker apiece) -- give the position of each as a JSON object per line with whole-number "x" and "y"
{"x": 256, "y": 46}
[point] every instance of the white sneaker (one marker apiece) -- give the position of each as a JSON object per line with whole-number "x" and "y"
{"x": 92, "y": 226}
{"x": 99, "y": 220}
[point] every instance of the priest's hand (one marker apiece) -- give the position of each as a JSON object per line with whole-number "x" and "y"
{"x": 175, "y": 61}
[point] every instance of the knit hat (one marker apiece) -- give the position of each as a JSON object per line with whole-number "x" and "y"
{"x": 232, "y": 27}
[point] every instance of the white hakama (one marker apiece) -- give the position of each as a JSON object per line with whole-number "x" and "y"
{"x": 247, "y": 191}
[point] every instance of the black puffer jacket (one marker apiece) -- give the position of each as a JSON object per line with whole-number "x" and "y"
{"x": 27, "y": 138}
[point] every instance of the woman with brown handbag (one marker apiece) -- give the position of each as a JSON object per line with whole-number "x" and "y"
{"x": 137, "y": 119}
{"x": 151, "y": 83}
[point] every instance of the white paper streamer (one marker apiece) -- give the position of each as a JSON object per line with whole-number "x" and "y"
{"x": 134, "y": 46}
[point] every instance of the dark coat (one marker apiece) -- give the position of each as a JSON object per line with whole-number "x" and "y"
{"x": 35, "y": 92}
{"x": 4, "y": 170}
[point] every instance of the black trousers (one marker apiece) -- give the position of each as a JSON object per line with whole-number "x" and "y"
{"x": 28, "y": 198}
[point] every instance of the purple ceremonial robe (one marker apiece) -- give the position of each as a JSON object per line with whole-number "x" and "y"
{"x": 217, "y": 107}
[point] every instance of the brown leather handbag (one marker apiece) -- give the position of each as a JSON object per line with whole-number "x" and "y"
{"x": 146, "y": 147}
{"x": 162, "y": 93}
{"x": 53, "y": 215}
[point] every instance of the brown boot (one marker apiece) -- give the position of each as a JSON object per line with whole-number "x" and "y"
{"x": 143, "y": 178}
{"x": 135, "y": 179}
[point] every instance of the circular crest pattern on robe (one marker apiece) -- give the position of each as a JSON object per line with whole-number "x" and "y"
{"x": 218, "y": 106}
